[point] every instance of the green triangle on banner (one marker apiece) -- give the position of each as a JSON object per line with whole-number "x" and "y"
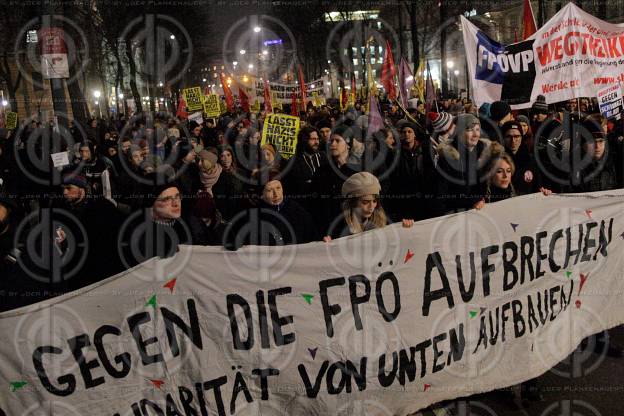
{"x": 473, "y": 313}
{"x": 16, "y": 385}
{"x": 308, "y": 298}
{"x": 152, "y": 301}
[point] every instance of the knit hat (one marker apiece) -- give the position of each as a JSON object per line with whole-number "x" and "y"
{"x": 208, "y": 158}
{"x": 484, "y": 110}
{"x": 465, "y": 121}
{"x": 523, "y": 119}
{"x": 441, "y": 122}
{"x": 323, "y": 123}
{"x": 594, "y": 128}
{"x": 498, "y": 110}
{"x": 75, "y": 179}
{"x": 361, "y": 184}
{"x": 509, "y": 125}
{"x": 158, "y": 187}
{"x": 540, "y": 106}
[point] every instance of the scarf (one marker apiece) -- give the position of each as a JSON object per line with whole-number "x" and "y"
{"x": 208, "y": 179}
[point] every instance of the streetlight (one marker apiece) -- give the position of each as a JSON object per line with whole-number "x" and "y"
{"x": 5, "y": 103}
{"x": 257, "y": 29}
{"x": 121, "y": 96}
{"x": 97, "y": 93}
{"x": 265, "y": 52}
{"x": 160, "y": 84}
{"x": 243, "y": 51}
{"x": 235, "y": 63}
{"x": 456, "y": 72}
{"x": 450, "y": 64}
{"x": 250, "y": 66}
{"x": 204, "y": 80}
{"x": 172, "y": 37}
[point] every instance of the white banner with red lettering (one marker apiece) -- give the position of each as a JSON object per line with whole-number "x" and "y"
{"x": 573, "y": 55}
{"x": 382, "y": 323}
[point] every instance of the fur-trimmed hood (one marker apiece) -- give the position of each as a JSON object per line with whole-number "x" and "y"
{"x": 490, "y": 149}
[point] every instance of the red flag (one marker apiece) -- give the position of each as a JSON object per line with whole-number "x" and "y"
{"x": 294, "y": 111}
{"x": 229, "y": 98}
{"x": 268, "y": 107}
{"x": 181, "y": 113}
{"x": 302, "y": 86}
{"x": 344, "y": 100}
{"x": 528, "y": 20}
{"x": 244, "y": 99}
{"x": 388, "y": 71}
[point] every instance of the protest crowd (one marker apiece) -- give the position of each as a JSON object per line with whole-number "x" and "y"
{"x": 137, "y": 188}
{"x": 205, "y": 184}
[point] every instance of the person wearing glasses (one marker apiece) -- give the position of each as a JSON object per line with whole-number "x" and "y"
{"x": 157, "y": 229}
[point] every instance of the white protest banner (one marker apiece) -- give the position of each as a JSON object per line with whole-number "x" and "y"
{"x": 572, "y": 55}
{"x": 60, "y": 159}
{"x": 54, "y": 63}
{"x": 197, "y": 117}
{"x": 283, "y": 92}
{"x": 395, "y": 319}
{"x": 281, "y": 131}
{"x": 610, "y": 101}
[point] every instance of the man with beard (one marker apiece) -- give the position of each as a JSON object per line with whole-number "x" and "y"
{"x": 307, "y": 160}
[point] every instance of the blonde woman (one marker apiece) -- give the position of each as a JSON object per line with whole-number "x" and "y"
{"x": 361, "y": 208}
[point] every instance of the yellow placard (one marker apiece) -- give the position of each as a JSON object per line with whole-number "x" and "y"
{"x": 275, "y": 102}
{"x": 256, "y": 106}
{"x": 11, "y": 120}
{"x": 212, "y": 106}
{"x": 194, "y": 98}
{"x": 281, "y": 131}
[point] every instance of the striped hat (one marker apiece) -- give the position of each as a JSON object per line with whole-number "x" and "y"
{"x": 441, "y": 122}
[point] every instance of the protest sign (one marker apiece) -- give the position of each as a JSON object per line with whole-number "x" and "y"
{"x": 54, "y": 63}
{"x": 281, "y": 131}
{"x": 256, "y": 106}
{"x": 395, "y": 318}
{"x": 572, "y": 55}
{"x": 610, "y": 101}
{"x": 11, "y": 120}
{"x": 212, "y": 106}
{"x": 60, "y": 159}
{"x": 276, "y": 103}
{"x": 197, "y": 117}
{"x": 193, "y": 98}
{"x": 283, "y": 92}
